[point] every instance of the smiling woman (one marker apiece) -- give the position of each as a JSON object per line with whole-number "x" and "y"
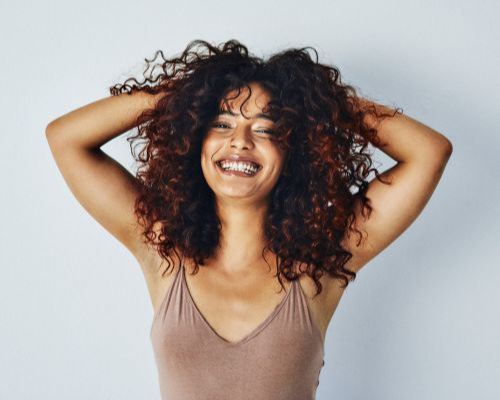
{"x": 290, "y": 115}
{"x": 243, "y": 148}
{"x": 242, "y": 158}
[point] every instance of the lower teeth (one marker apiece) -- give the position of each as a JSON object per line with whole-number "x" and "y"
{"x": 247, "y": 173}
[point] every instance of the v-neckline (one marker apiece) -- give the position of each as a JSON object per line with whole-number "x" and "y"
{"x": 249, "y": 335}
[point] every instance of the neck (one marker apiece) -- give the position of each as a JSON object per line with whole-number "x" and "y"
{"x": 242, "y": 238}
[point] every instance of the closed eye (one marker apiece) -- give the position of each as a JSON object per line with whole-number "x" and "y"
{"x": 222, "y": 124}
{"x": 219, "y": 124}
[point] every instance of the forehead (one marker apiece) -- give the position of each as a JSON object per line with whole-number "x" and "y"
{"x": 255, "y": 99}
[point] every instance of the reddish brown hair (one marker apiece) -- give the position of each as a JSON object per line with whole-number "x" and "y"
{"x": 319, "y": 120}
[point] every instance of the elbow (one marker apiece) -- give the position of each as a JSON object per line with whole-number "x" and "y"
{"x": 49, "y": 130}
{"x": 52, "y": 126}
{"x": 54, "y": 137}
{"x": 53, "y": 133}
{"x": 50, "y": 134}
{"x": 443, "y": 154}
{"x": 438, "y": 154}
{"x": 446, "y": 148}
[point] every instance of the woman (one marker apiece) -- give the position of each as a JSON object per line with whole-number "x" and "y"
{"x": 253, "y": 176}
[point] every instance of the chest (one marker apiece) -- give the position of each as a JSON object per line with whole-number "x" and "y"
{"x": 234, "y": 309}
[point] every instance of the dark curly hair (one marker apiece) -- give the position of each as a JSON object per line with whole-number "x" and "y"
{"x": 320, "y": 121}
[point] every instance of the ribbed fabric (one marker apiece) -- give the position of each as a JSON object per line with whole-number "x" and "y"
{"x": 281, "y": 359}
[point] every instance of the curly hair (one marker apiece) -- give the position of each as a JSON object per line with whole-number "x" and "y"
{"x": 321, "y": 122}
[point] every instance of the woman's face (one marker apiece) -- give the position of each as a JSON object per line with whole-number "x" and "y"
{"x": 250, "y": 136}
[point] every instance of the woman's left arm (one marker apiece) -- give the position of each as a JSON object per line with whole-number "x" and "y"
{"x": 421, "y": 154}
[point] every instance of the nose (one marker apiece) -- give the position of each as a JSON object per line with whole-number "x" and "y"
{"x": 241, "y": 138}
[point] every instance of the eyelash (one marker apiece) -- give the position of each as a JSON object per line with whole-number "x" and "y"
{"x": 260, "y": 130}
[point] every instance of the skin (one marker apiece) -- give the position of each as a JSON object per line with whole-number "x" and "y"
{"x": 241, "y": 202}
{"x": 234, "y": 292}
{"x": 238, "y": 290}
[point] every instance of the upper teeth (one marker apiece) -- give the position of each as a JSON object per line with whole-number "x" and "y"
{"x": 239, "y": 166}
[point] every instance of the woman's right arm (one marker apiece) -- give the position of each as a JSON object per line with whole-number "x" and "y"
{"x": 100, "y": 184}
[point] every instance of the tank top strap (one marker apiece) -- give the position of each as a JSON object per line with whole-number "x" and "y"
{"x": 299, "y": 309}
{"x": 294, "y": 307}
{"x": 171, "y": 295}
{"x": 186, "y": 350}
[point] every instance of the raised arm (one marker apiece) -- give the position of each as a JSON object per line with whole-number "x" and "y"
{"x": 102, "y": 186}
{"x": 421, "y": 154}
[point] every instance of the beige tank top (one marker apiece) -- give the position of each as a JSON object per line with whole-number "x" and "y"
{"x": 281, "y": 359}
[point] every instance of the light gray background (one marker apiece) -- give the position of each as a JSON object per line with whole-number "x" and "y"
{"x": 420, "y": 322}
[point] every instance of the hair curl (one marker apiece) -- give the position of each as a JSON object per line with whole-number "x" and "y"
{"x": 319, "y": 120}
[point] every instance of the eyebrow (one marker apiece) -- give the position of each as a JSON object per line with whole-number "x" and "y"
{"x": 260, "y": 115}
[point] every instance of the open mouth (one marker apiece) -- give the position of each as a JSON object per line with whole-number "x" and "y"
{"x": 247, "y": 172}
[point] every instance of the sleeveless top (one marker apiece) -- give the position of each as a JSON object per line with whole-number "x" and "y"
{"x": 281, "y": 359}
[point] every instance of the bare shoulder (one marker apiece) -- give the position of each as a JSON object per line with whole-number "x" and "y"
{"x": 328, "y": 284}
{"x": 158, "y": 272}
{"x": 322, "y": 306}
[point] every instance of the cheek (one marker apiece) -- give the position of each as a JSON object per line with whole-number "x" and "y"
{"x": 207, "y": 151}
{"x": 210, "y": 146}
{"x": 207, "y": 159}
{"x": 279, "y": 156}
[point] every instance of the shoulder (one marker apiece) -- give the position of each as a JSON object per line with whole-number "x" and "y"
{"x": 323, "y": 305}
{"x": 328, "y": 283}
{"x": 158, "y": 272}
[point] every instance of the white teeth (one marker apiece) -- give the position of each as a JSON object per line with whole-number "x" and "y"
{"x": 247, "y": 168}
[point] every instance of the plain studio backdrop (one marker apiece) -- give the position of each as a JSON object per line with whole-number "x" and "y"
{"x": 421, "y": 321}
